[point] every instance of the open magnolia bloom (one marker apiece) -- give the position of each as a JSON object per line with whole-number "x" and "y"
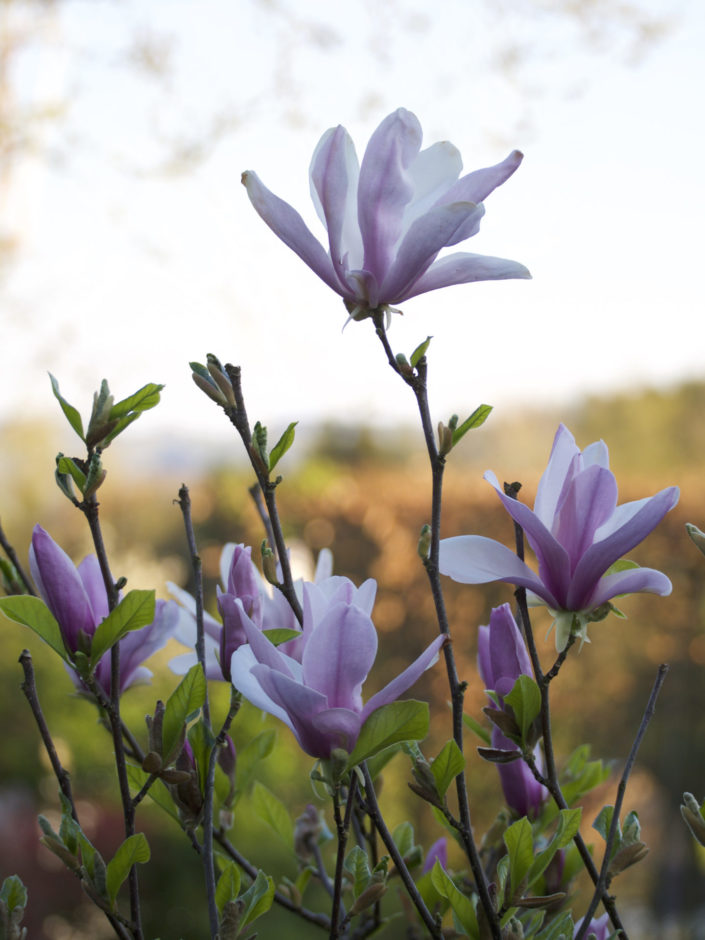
{"x": 577, "y": 532}
{"x": 77, "y": 598}
{"x": 388, "y": 218}
{"x": 319, "y": 694}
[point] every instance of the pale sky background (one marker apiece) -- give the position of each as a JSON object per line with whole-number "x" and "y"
{"x": 137, "y": 249}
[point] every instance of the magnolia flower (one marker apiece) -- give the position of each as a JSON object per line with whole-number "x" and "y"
{"x": 388, "y": 218}
{"x": 501, "y": 658}
{"x": 246, "y": 597}
{"x": 599, "y": 928}
{"x": 319, "y": 695}
{"x": 577, "y": 532}
{"x": 79, "y": 602}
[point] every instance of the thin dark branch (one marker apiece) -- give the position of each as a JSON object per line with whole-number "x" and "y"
{"x": 602, "y": 882}
{"x": 342, "y": 825}
{"x": 12, "y": 555}
{"x": 312, "y": 917}
{"x": 373, "y": 812}
{"x": 238, "y": 418}
{"x": 255, "y": 492}
{"x": 417, "y": 382}
{"x": 29, "y": 688}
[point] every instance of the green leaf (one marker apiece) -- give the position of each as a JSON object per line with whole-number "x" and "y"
{"x": 520, "y": 845}
{"x": 476, "y": 420}
{"x": 479, "y": 729}
{"x": 376, "y": 764}
{"x": 282, "y": 446}
{"x": 525, "y": 702}
{"x": 72, "y": 415}
{"x": 257, "y": 899}
{"x": 182, "y": 705}
{"x": 142, "y": 400}
{"x": 134, "y": 849}
{"x": 403, "y": 836}
{"x": 271, "y": 809}
{"x": 202, "y": 740}
{"x": 135, "y": 610}
{"x": 249, "y": 758}
{"x": 359, "y": 867}
{"x": 13, "y": 893}
{"x": 68, "y": 466}
{"x": 462, "y": 906}
{"x": 568, "y": 825}
{"x": 561, "y": 928}
{"x": 420, "y": 351}
{"x": 228, "y": 886}
{"x": 398, "y": 721}
{"x": 446, "y": 767}
{"x": 33, "y": 612}
{"x": 157, "y": 792}
{"x": 279, "y": 635}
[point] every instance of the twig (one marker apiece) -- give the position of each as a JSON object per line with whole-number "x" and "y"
{"x": 417, "y": 382}
{"x": 342, "y": 825}
{"x": 313, "y": 917}
{"x": 12, "y": 555}
{"x": 373, "y": 812}
{"x": 238, "y": 418}
{"x": 602, "y": 881}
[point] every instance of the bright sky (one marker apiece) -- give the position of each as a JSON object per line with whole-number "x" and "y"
{"x": 130, "y": 262}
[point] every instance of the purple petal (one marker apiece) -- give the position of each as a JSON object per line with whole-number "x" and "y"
{"x": 588, "y": 501}
{"x": 630, "y": 581}
{"x": 334, "y": 174}
{"x": 266, "y": 652}
{"x": 339, "y": 654}
{"x": 464, "y": 268}
{"x": 474, "y": 559}
{"x": 301, "y": 705}
{"x": 395, "y": 688}
{"x": 241, "y": 665}
{"x": 61, "y": 587}
{"x": 522, "y": 792}
{"x": 554, "y": 563}
{"x": 288, "y": 225}
{"x": 338, "y": 727}
{"x": 476, "y": 186}
{"x": 385, "y": 188}
{"x": 509, "y": 658}
{"x": 437, "y": 852}
{"x": 92, "y": 580}
{"x": 139, "y": 645}
{"x": 554, "y": 476}
{"x": 432, "y": 174}
{"x": 484, "y": 661}
{"x": 603, "y": 554}
{"x": 421, "y": 244}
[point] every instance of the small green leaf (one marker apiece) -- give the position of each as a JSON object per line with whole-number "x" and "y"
{"x": 403, "y": 836}
{"x": 182, "y": 705}
{"x": 446, "y": 767}
{"x": 462, "y": 906}
{"x": 476, "y": 420}
{"x": 202, "y": 740}
{"x": 359, "y": 867}
{"x": 68, "y": 466}
{"x": 604, "y": 821}
{"x": 520, "y": 846}
{"x": 257, "y": 899}
{"x": 13, "y": 893}
{"x": 33, "y": 612}
{"x": 398, "y": 721}
{"x": 134, "y": 849}
{"x": 157, "y": 792}
{"x": 271, "y": 809}
{"x": 142, "y": 400}
{"x": 568, "y": 825}
{"x": 134, "y": 611}
{"x": 282, "y": 446}
{"x": 420, "y": 351}
{"x": 249, "y": 758}
{"x": 72, "y": 415}
{"x": 279, "y": 635}
{"x": 228, "y": 886}
{"x": 525, "y": 701}
{"x": 479, "y": 729}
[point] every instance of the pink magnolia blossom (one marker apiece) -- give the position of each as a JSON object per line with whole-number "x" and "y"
{"x": 388, "y": 218}
{"x": 78, "y": 600}
{"x": 319, "y": 694}
{"x": 599, "y": 928}
{"x": 577, "y": 532}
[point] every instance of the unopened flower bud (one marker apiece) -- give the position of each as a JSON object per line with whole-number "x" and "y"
{"x": 306, "y": 831}
{"x": 152, "y": 763}
{"x": 369, "y": 896}
{"x": 269, "y": 564}
{"x": 220, "y": 378}
{"x": 424, "y": 544}
{"x": 696, "y": 535}
{"x": 690, "y": 811}
{"x": 445, "y": 439}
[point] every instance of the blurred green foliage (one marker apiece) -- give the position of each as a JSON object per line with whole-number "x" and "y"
{"x": 366, "y": 496}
